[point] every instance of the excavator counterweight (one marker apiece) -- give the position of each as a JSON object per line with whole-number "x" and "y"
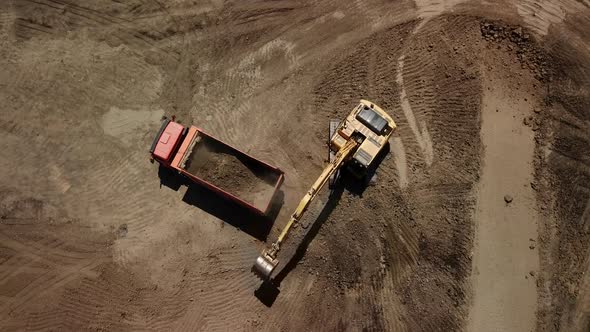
{"x": 356, "y": 142}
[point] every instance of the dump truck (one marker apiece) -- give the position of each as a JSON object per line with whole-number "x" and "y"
{"x": 354, "y": 143}
{"x": 216, "y": 165}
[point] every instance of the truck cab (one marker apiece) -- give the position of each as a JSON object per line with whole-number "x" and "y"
{"x": 167, "y": 141}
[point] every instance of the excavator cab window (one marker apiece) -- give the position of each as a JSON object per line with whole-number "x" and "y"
{"x": 372, "y": 120}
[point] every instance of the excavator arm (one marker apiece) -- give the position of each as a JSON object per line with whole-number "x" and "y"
{"x": 266, "y": 262}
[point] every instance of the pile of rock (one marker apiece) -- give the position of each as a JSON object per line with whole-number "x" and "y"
{"x": 521, "y": 42}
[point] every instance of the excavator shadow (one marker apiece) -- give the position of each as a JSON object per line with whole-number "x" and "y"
{"x": 356, "y": 186}
{"x": 269, "y": 289}
{"x": 230, "y": 212}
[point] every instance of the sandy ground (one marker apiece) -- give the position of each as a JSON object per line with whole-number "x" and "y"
{"x": 94, "y": 237}
{"x": 505, "y": 263}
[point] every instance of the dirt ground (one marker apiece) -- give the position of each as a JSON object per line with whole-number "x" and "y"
{"x": 478, "y": 217}
{"x": 224, "y": 169}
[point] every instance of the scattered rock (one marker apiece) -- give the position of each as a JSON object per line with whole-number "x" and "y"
{"x": 508, "y": 198}
{"x": 527, "y": 121}
{"x": 122, "y": 231}
{"x": 515, "y": 38}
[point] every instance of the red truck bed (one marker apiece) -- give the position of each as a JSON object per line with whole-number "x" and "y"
{"x": 218, "y": 166}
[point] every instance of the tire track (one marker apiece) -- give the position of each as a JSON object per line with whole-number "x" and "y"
{"x": 422, "y": 135}
{"x": 237, "y": 103}
{"x": 563, "y": 168}
{"x": 80, "y": 308}
{"x": 104, "y": 193}
{"x": 540, "y": 15}
{"x": 67, "y": 15}
{"x": 433, "y": 95}
{"x": 65, "y": 154}
{"x": 290, "y": 306}
{"x": 401, "y": 162}
{"x": 91, "y": 303}
{"x": 229, "y": 284}
{"x": 429, "y": 9}
{"x": 358, "y": 75}
{"x": 55, "y": 277}
{"x": 247, "y": 79}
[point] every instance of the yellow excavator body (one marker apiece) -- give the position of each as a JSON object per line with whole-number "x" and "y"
{"x": 356, "y": 142}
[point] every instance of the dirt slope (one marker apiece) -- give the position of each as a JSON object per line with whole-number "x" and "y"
{"x": 91, "y": 239}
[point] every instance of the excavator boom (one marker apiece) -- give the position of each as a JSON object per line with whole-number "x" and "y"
{"x": 266, "y": 263}
{"x": 341, "y": 156}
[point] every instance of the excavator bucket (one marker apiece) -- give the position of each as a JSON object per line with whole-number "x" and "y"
{"x": 264, "y": 266}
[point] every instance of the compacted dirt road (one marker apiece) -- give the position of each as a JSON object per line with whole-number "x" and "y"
{"x": 505, "y": 292}
{"x": 477, "y": 219}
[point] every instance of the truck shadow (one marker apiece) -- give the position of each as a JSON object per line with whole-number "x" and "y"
{"x": 269, "y": 289}
{"x": 228, "y": 211}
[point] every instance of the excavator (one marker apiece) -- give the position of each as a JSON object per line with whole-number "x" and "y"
{"x": 354, "y": 143}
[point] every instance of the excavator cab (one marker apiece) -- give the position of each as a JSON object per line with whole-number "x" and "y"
{"x": 355, "y": 142}
{"x": 371, "y": 128}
